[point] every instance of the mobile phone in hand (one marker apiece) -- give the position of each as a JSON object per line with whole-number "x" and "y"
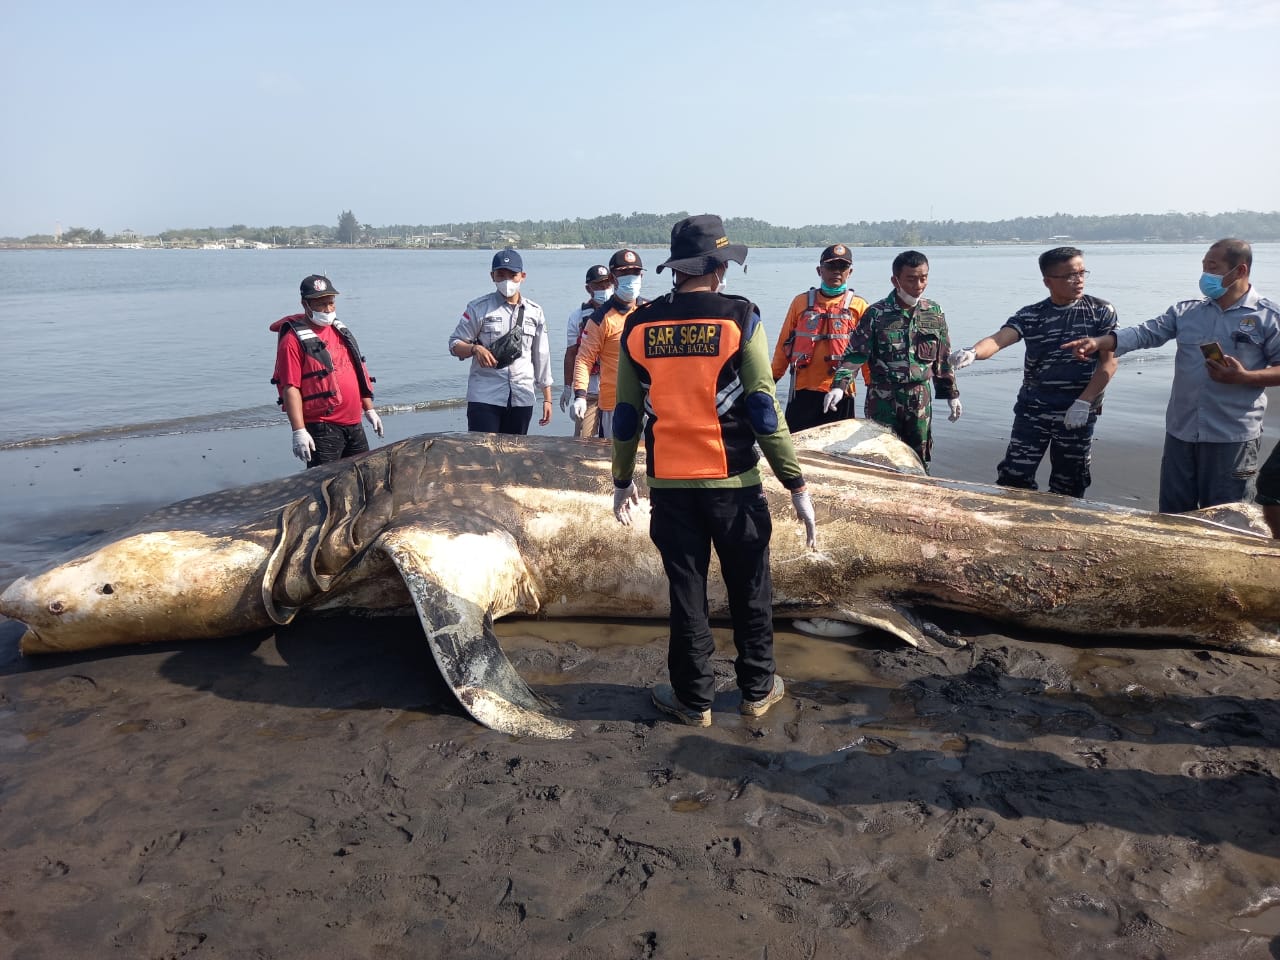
{"x": 1213, "y": 351}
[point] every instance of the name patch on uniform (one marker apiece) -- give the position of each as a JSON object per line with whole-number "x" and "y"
{"x": 682, "y": 340}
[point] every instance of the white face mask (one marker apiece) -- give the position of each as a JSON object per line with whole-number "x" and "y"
{"x": 723, "y": 283}
{"x": 507, "y": 288}
{"x": 600, "y": 296}
{"x": 629, "y": 287}
{"x": 907, "y": 298}
{"x": 323, "y": 319}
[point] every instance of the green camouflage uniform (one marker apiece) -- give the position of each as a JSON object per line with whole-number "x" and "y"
{"x": 906, "y": 348}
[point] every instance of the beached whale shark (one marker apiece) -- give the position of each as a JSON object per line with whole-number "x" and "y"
{"x": 467, "y": 528}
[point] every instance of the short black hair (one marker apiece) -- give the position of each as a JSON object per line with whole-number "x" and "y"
{"x": 1051, "y": 258}
{"x": 909, "y": 258}
{"x": 1236, "y": 252}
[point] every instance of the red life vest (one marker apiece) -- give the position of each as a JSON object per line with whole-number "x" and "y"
{"x": 821, "y": 335}
{"x": 320, "y": 390}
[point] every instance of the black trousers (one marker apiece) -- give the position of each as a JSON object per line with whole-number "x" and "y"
{"x": 805, "y": 410}
{"x": 335, "y": 441}
{"x": 491, "y": 418}
{"x": 684, "y": 524}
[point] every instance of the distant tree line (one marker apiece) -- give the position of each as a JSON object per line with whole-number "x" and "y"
{"x": 653, "y": 229}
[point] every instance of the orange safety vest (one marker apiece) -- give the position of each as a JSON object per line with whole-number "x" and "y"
{"x": 821, "y": 335}
{"x": 687, "y": 354}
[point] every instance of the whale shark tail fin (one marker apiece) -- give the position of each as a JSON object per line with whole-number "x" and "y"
{"x": 458, "y": 580}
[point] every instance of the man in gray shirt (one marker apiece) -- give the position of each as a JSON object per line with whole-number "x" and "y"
{"x": 1228, "y": 354}
{"x": 500, "y": 390}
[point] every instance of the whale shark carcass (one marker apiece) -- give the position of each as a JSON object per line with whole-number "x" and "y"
{"x": 467, "y": 528}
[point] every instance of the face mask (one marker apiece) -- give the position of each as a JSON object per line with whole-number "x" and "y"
{"x": 600, "y": 296}
{"x": 834, "y": 291}
{"x": 1211, "y": 286}
{"x": 323, "y": 319}
{"x": 629, "y": 287}
{"x": 906, "y": 298}
{"x": 507, "y": 288}
{"x": 724, "y": 281}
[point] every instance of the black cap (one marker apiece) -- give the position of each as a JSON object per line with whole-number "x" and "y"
{"x": 625, "y": 259}
{"x": 837, "y": 251}
{"x": 699, "y": 245}
{"x": 317, "y": 285}
{"x": 597, "y": 273}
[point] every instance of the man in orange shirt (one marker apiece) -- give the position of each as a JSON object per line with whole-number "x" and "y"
{"x": 813, "y": 339}
{"x": 600, "y": 334}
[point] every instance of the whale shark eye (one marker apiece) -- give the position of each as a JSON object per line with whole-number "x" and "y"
{"x": 107, "y": 588}
{"x": 56, "y": 606}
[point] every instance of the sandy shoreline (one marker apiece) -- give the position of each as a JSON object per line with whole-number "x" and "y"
{"x": 314, "y": 791}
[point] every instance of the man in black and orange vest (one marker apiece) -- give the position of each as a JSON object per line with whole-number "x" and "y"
{"x": 813, "y": 339}
{"x": 697, "y": 362}
{"x": 323, "y": 383}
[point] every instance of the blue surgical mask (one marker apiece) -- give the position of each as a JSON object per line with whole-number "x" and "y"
{"x": 629, "y": 287}
{"x": 834, "y": 291}
{"x": 1211, "y": 286}
{"x": 600, "y": 296}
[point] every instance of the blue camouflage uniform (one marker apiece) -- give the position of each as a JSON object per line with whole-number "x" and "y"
{"x": 1052, "y": 379}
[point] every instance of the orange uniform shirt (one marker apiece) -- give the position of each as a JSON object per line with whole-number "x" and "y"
{"x": 599, "y": 342}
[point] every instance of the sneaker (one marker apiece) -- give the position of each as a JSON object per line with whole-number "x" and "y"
{"x": 758, "y": 708}
{"x": 665, "y": 699}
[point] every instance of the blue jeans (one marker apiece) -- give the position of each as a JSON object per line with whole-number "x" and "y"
{"x": 335, "y": 441}
{"x": 1198, "y": 475}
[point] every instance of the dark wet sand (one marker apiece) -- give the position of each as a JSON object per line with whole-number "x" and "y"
{"x": 315, "y": 792}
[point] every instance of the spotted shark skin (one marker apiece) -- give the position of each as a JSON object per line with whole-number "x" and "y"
{"x": 464, "y": 529}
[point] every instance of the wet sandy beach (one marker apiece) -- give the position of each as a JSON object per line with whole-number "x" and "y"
{"x": 315, "y": 790}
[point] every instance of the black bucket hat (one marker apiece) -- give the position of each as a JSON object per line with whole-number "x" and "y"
{"x": 699, "y": 245}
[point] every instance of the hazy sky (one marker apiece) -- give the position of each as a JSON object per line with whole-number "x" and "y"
{"x": 157, "y": 115}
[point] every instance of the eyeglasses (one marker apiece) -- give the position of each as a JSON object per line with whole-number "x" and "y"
{"x": 1078, "y": 275}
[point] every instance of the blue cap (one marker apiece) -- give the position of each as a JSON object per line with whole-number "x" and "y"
{"x": 508, "y": 259}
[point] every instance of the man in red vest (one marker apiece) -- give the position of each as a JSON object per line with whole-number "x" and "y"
{"x": 323, "y": 383}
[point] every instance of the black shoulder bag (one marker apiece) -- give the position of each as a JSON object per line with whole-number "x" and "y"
{"x": 509, "y": 347}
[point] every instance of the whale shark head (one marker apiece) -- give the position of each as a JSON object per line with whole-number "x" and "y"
{"x": 142, "y": 588}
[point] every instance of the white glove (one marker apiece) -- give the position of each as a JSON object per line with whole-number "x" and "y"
{"x": 566, "y": 397}
{"x": 375, "y": 421}
{"x": 961, "y": 358}
{"x": 623, "y": 499}
{"x": 1077, "y": 414}
{"x": 303, "y": 445}
{"x": 956, "y": 409}
{"x": 579, "y": 409}
{"x": 832, "y": 399}
{"x": 803, "y": 503}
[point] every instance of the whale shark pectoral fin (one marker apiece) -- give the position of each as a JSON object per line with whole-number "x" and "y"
{"x": 454, "y": 598}
{"x": 827, "y": 627}
{"x": 891, "y": 618}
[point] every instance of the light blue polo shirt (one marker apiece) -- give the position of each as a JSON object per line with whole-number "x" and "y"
{"x": 1200, "y": 410}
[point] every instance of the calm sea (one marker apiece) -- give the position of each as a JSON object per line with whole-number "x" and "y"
{"x": 141, "y": 342}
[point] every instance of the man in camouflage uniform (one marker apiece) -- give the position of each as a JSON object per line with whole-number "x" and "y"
{"x": 1061, "y": 395}
{"x": 904, "y": 340}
